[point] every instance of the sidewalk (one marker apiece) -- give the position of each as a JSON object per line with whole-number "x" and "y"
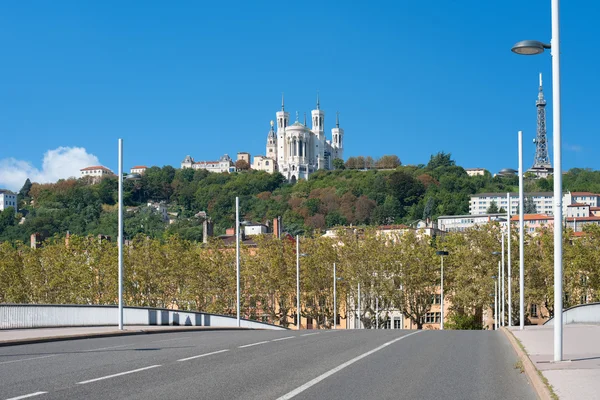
{"x": 579, "y": 376}
{"x": 10, "y": 337}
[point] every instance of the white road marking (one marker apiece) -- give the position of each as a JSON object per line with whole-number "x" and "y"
{"x": 283, "y": 338}
{"x": 204, "y": 355}
{"x": 319, "y": 378}
{"x": 308, "y": 334}
{"x": 253, "y": 344}
{"x": 119, "y": 374}
{"x": 27, "y": 359}
{"x": 26, "y": 396}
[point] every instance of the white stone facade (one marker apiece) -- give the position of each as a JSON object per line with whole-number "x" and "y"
{"x": 95, "y": 172}
{"x": 224, "y": 164}
{"x": 300, "y": 150}
{"x": 7, "y": 199}
{"x": 139, "y": 169}
{"x": 262, "y": 163}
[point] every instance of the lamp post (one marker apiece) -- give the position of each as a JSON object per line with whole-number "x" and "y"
{"x": 532, "y": 47}
{"x": 442, "y": 254}
{"x": 521, "y": 238}
{"x": 120, "y": 229}
{"x": 298, "y": 281}
{"x": 497, "y": 253}
{"x": 335, "y": 279}
{"x": 495, "y": 302}
{"x": 501, "y": 274}
{"x": 509, "y": 264}
{"x": 237, "y": 257}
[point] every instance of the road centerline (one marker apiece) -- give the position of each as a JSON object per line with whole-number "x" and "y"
{"x": 252, "y": 344}
{"x": 340, "y": 367}
{"x": 310, "y": 334}
{"x": 119, "y": 374}
{"x": 27, "y": 359}
{"x": 25, "y": 396}
{"x": 204, "y": 355}
{"x": 283, "y": 338}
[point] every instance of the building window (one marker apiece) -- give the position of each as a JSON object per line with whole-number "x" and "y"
{"x": 534, "y": 311}
{"x": 387, "y": 324}
{"x": 432, "y": 318}
{"x": 436, "y": 299}
{"x": 397, "y": 323}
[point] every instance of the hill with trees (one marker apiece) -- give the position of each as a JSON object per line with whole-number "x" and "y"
{"x": 347, "y": 195}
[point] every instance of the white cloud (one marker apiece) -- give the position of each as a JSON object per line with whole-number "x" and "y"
{"x": 573, "y": 147}
{"x": 60, "y": 163}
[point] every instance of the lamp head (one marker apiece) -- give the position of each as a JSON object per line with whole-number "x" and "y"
{"x": 496, "y": 253}
{"x": 441, "y": 253}
{"x": 529, "y": 47}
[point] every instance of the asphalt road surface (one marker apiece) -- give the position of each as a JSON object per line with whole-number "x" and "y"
{"x": 342, "y": 364}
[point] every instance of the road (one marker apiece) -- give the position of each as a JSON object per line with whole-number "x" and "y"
{"x": 321, "y": 364}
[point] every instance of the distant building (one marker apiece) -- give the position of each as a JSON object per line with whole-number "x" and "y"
{"x": 252, "y": 229}
{"x": 475, "y": 171}
{"x": 95, "y": 172}
{"x": 531, "y": 222}
{"x": 460, "y": 223}
{"x": 139, "y": 169}
{"x": 7, "y": 199}
{"x": 161, "y": 208}
{"x": 242, "y": 155}
{"x": 544, "y": 201}
{"x": 262, "y": 163}
{"x": 224, "y": 164}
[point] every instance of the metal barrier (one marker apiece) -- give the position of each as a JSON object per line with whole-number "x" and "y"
{"x": 580, "y": 314}
{"x": 16, "y": 316}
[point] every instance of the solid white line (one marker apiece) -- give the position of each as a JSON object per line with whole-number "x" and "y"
{"x": 204, "y": 355}
{"x": 319, "y": 378}
{"x": 26, "y": 396}
{"x": 109, "y": 347}
{"x": 308, "y": 334}
{"x": 119, "y": 374}
{"x": 253, "y": 344}
{"x": 282, "y": 338}
{"x": 27, "y": 359}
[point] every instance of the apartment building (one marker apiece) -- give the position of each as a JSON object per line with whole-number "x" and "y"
{"x": 460, "y": 223}
{"x": 7, "y": 199}
{"x": 97, "y": 171}
{"x": 544, "y": 201}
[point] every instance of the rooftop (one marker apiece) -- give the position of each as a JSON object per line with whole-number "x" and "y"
{"x": 94, "y": 168}
{"x": 534, "y": 217}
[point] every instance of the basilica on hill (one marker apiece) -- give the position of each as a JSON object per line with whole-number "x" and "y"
{"x": 299, "y": 150}
{"x": 295, "y": 150}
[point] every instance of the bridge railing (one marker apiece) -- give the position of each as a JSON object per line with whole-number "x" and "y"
{"x": 580, "y": 314}
{"x": 18, "y": 316}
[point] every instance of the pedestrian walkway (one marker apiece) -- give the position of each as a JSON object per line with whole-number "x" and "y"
{"x": 578, "y": 377}
{"x": 18, "y": 336}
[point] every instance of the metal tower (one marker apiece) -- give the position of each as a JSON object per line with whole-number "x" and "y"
{"x": 541, "y": 162}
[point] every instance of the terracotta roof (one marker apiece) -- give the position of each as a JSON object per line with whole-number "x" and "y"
{"x": 6, "y": 191}
{"x": 95, "y": 168}
{"x": 139, "y": 167}
{"x": 594, "y": 208}
{"x": 533, "y": 217}
{"x": 594, "y": 218}
{"x": 578, "y": 205}
{"x": 579, "y": 234}
{"x": 584, "y": 194}
{"x": 389, "y": 227}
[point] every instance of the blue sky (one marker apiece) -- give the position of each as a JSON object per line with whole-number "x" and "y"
{"x": 409, "y": 78}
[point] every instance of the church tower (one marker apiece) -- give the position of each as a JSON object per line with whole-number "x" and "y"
{"x": 337, "y": 139}
{"x": 272, "y": 143}
{"x": 283, "y": 121}
{"x": 318, "y": 119}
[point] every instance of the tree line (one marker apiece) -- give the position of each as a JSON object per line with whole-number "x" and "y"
{"x": 399, "y": 271}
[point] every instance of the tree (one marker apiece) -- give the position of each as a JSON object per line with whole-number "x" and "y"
{"x": 428, "y": 208}
{"x": 493, "y": 208}
{"x": 338, "y": 163}
{"x": 24, "y": 192}
{"x": 530, "y": 207}
{"x": 441, "y": 159}
{"x": 388, "y": 162}
{"x": 242, "y": 165}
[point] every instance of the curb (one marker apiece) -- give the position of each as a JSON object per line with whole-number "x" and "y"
{"x": 58, "y": 338}
{"x": 533, "y": 375}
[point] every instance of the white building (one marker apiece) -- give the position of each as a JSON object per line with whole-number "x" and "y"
{"x": 262, "y": 163}
{"x": 97, "y": 171}
{"x": 138, "y": 169}
{"x": 251, "y": 229}
{"x": 300, "y": 150}
{"x": 460, "y": 223}
{"x": 161, "y": 208}
{"x": 475, "y": 171}
{"x": 224, "y": 164}
{"x": 544, "y": 201}
{"x": 7, "y": 199}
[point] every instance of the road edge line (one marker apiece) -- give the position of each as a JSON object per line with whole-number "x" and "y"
{"x": 541, "y": 386}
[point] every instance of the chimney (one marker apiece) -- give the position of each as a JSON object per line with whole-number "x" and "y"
{"x": 276, "y": 232}
{"x": 207, "y": 230}
{"x": 67, "y": 239}
{"x": 36, "y": 241}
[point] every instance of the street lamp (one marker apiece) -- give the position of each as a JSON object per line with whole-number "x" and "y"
{"x": 120, "y": 230}
{"x": 494, "y": 277}
{"x": 335, "y": 279}
{"x": 442, "y": 254}
{"x": 237, "y": 257}
{"x": 298, "y": 255}
{"x": 532, "y": 47}
{"x": 500, "y": 276}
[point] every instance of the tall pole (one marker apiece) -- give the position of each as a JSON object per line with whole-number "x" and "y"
{"x": 558, "y": 270}
{"x": 120, "y": 234}
{"x": 237, "y": 255}
{"x": 521, "y": 238}
{"x": 359, "y": 324}
{"x": 442, "y": 297}
{"x": 334, "y": 297}
{"x": 502, "y": 276}
{"x": 298, "y": 281}
{"x": 495, "y": 304}
{"x": 509, "y": 270}
{"x": 377, "y": 312}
